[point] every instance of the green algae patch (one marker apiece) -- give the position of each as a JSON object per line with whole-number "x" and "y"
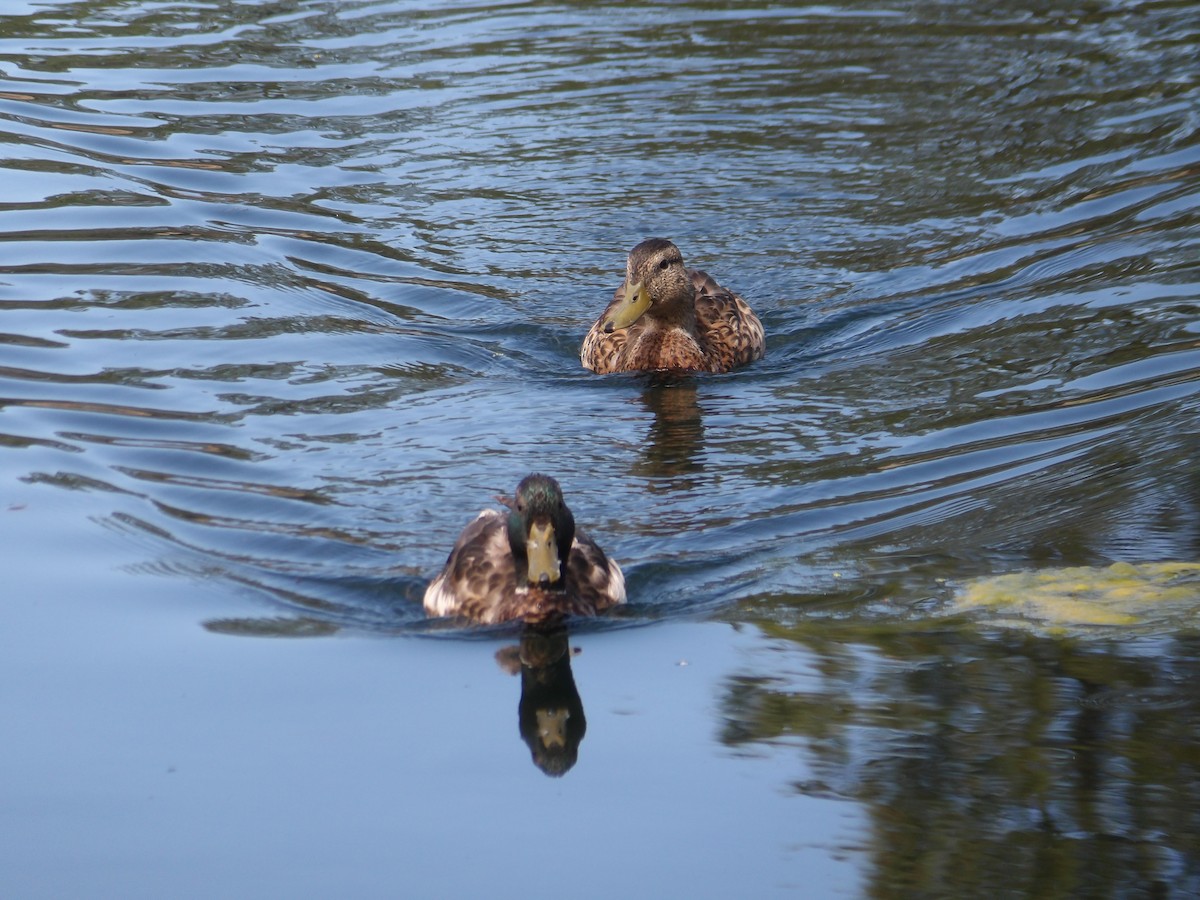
{"x": 1133, "y": 596}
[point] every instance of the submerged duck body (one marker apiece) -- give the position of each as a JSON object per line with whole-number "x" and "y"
{"x": 528, "y": 563}
{"x": 667, "y": 317}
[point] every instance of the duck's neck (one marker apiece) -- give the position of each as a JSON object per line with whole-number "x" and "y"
{"x": 678, "y": 313}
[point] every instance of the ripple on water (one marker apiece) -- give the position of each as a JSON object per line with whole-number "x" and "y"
{"x": 296, "y": 294}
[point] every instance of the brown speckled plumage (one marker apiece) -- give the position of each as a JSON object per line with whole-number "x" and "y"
{"x": 484, "y": 579}
{"x": 690, "y": 323}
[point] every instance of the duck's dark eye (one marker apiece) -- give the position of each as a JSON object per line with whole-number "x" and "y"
{"x": 665, "y": 264}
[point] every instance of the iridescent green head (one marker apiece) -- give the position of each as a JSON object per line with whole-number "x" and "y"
{"x": 541, "y": 530}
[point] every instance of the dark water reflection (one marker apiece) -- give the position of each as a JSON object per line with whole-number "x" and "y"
{"x": 289, "y": 291}
{"x": 550, "y": 713}
{"x": 1015, "y": 766}
{"x": 671, "y": 456}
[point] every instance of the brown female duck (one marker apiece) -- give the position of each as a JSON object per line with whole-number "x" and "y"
{"x": 665, "y": 316}
{"x": 529, "y": 563}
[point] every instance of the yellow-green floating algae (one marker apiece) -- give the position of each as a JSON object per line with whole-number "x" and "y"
{"x": 1133, "y": 596}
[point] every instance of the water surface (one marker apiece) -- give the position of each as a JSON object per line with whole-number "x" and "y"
{"x": 288, "y": 291}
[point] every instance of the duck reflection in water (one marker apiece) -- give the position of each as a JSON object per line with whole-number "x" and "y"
{"x": 550, "y": 713}
{"x": 674, "y": 447}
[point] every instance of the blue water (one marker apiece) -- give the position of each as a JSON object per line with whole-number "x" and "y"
{"x": 288, "y": 292}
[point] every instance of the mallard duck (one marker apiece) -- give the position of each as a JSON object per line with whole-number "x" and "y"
{"x": 665, "y": 316}
{"x": 528, "y": 563}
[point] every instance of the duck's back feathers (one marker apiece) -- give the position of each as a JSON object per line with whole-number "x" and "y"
{"x": 732, "y": 333}
{"x": 480, "y": 565}
{"x": 596, "y": 581}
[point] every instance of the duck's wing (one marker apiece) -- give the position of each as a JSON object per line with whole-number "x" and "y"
{"x": 732, "y": 334}
{"x": 601, "y": 351}
{"x": 479, "y": 573}
{"x": 593, "y": 578}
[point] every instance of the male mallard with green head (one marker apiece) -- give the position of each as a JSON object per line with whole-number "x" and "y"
{"x": 529, "y": 563}
{"x": 665, "y": 316}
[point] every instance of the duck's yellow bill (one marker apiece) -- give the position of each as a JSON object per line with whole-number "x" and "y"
{"x": 631, "y": 308}
{"x": 542, "y": 552}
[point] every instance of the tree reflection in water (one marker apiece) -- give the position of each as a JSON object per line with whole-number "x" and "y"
{"x": 1012, "y": 765}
